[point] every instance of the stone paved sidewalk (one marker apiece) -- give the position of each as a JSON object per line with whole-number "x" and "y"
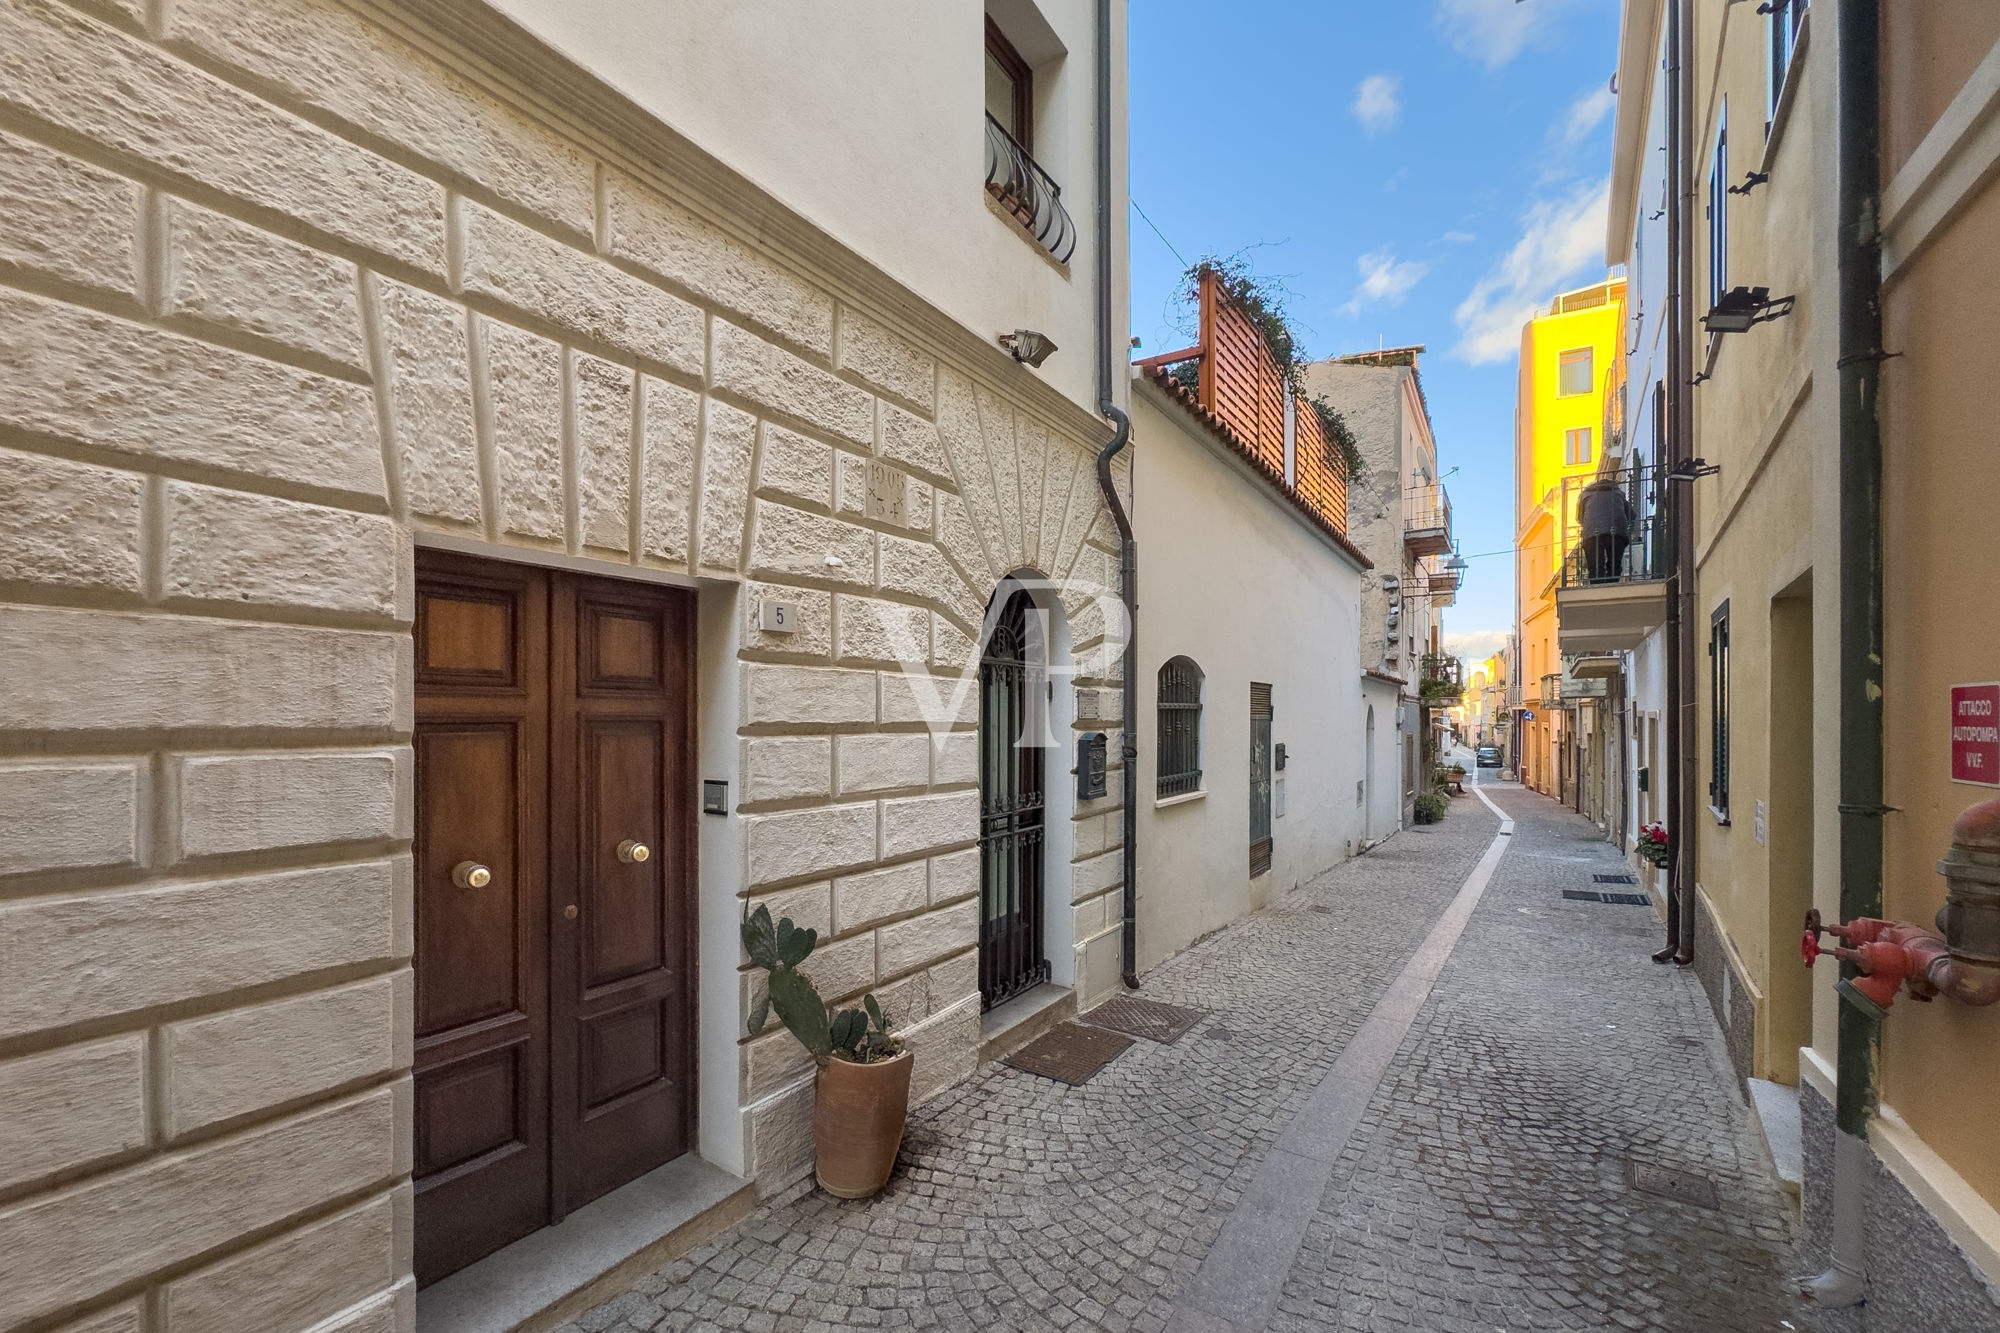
{"x": 1484, "y": 1189}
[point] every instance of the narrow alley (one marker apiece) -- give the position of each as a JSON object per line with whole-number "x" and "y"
{"x": 1488, "y": 1183}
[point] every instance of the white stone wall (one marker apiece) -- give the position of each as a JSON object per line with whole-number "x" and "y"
{"x": 279, "y": 298}
{"x": 1250, "y": 589}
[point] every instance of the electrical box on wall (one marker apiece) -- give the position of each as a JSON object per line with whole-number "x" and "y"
{"x": 1279, "y": 762}
{"x": 1090, "y": 766}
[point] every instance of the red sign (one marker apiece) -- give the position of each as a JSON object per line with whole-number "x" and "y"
{"x": 1975, "y": 734}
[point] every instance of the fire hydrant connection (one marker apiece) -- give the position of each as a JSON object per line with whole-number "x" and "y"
{"x": 1959, "y": 960}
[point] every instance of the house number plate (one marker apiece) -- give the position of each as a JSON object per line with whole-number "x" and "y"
{"x": 888, "y": 489}
{"x": 778, "y": 617}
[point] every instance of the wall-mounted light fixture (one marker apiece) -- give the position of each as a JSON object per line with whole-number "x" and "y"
{"x": 1028, "y": 347}
{"x": 1739, "y": 308}
{"x": 1691, "y": 468}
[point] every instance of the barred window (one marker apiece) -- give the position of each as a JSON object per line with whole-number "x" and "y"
{"x": 1180, "y": 727}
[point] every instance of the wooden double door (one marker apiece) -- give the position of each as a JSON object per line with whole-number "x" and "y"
{"x": 554, "y": 853}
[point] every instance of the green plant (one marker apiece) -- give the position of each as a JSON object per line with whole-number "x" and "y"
{"x": 1431, "y": 806}
{"x": 1263, "y": 301}
{"x": 860, "y": 1036}
{"x": 1432, "y": 691}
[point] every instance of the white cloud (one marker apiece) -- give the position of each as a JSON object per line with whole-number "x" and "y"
{"x": 1475, "y": 645}
{"x": 1585, "y": 114}
{"x": 1376, "y": 102}
{"x": 1559, "y": 239}
{"x": 1384, "y": 279}
{"x": 1459, "y": 237}
{"x": 1491, "y": 31}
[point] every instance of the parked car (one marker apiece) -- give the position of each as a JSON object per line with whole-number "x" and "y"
{"x": 1487, "y": 756}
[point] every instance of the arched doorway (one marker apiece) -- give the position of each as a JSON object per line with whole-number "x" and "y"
{"x": 1015, "y": 690}
{"x": 1368, "y": 781}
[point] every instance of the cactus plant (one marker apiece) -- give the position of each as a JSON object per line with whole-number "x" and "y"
{"x": 859, "y": 1036}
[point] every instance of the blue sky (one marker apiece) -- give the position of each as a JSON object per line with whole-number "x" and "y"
{"x": 1413, "y": 171}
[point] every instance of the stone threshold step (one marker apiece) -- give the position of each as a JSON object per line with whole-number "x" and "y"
{"x": 592, "y": 1255}
{"x": 1777, "y": 1108}
{"x": 1006, "y": 1028}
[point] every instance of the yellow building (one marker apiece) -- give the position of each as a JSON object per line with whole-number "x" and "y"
{"x": 1567, "y": 356}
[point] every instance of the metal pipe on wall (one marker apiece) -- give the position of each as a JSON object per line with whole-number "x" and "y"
{"x": 1859, "y": 247}
{"x": 1128, "y": 549}
{"x": 1679, "y": 823}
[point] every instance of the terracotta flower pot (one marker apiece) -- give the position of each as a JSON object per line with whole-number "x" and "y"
{"x": 858, "y": 1113}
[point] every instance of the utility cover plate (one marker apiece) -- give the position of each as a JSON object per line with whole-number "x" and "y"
{"x": 1583, "y": 896}
{"x": 1614, "y": 879}
{"x": 1628, "y": 899}
{"x": 1144, "y": 1018}
{"x": 1069, "y": 1053}
{"x": 1667, "y": 1183}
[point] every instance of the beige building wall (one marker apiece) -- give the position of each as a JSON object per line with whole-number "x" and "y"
{"x": 263, "y": 330}
{"x": 1763, "y": 412}
{"x": 1941, "y": 461}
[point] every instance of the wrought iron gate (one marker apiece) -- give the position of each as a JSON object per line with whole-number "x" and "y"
{"x": 1011, "y": 770}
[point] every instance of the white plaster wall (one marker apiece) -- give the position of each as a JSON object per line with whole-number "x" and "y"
{"x": 1234, "y": 578}
{"x": 867, "y": 117}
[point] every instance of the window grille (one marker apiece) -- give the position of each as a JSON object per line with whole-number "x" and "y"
{"x": 1179, "y": 746}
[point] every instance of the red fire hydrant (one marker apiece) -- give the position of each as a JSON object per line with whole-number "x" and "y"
{"x": 1960, "y": 959}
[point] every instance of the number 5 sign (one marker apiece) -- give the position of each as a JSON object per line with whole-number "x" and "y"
{"x": 1975, "y": 734}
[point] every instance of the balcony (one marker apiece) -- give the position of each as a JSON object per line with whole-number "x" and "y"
{"x": 1027, "y": 193}
{"x": 1440, "y": 680}
{"x": 1611, "y": 588}
{"x": 1427, "y": 520}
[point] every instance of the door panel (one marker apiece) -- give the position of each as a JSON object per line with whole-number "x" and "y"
{"x": 555, "y": 1000}
{"x": 481, "y": 1113}
{"x": 622, "y": 973}
{"x": 624, "y": 909}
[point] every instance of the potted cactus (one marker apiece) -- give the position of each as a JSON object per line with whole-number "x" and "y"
{"x": 861, "y": 1095}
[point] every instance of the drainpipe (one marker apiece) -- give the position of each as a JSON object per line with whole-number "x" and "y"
{"x": 1859, "y": 242}
{"x": 1128, "y": 549}
{"x": 1680, "y": 936}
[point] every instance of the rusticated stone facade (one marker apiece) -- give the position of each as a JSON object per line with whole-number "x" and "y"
{"x": 285, "y": 292}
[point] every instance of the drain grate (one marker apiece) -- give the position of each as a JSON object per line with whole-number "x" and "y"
{"x": 1668, "y": 1183}
{"x": 1582, "y": 896}
{"x": 1628, "y": 899}
{"x": 1144, "y": 1018}
{"x": 1614, "y": 879}
{"x": 1070, "y": 1053}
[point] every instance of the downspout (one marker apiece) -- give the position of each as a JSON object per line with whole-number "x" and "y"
{"x": 1688, "y": 813}
{"x": 1678, "y": 375}
{"x": 1128, "y": 549}
{"x": 1859, "y": 243}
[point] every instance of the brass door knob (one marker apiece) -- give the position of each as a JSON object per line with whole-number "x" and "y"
{"x": 471, "y": 875}
{"x": 569, "y": 913}
{"x": 633, "y": 851}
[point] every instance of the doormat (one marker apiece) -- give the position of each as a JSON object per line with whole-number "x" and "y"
{"x": 1667, "y": 1183}
{"x": 1614, "y": 879}
{"x": 1629, "y": 899}
{"x": 1150, "y": 1019}
{"x": 1069, "y": 1053}
{"x": 1583, "y": 896}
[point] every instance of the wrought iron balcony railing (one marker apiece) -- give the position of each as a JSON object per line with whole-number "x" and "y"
{"x": 1427, "y": 519}
{"x": 1613, "y": 529}
{"x": 1027, "y": 192}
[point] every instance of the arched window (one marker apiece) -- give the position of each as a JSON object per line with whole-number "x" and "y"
{"x": 1180, "y": 727}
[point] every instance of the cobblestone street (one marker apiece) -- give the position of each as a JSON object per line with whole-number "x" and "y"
{"x": 1486, "y": 1186}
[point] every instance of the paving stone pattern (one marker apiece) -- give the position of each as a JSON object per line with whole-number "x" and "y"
{"x": 1485, "y": 1190}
